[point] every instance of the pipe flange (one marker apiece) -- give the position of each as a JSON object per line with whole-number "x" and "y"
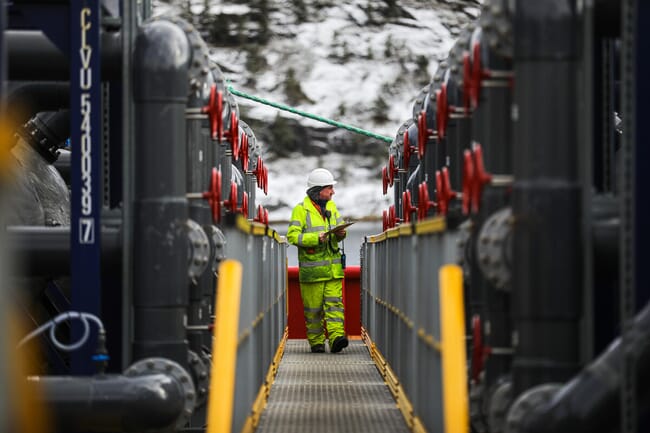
{"x": 526, "y": 404}
{"x": 494, "y": 249}
{"x": 464, "y": 250}
{"x": 199, "y": 252}
{"x": 217, "y": 245}
{"x": 497, "y": 406}
{"x": 170, "y": 368}
{"x": 201, "y": 376}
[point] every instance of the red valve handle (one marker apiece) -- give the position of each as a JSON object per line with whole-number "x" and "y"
{"x": 392, "y": 218}
{"x": 213, "y": 195}
{"x": 266, "y": 180}
{"x": 442, "y": 110}
{"x": 234, "y": 135}
{"x": 424, "y": 204}
{"x": 214, "y": 110}
{"x": 243, "y": 151}
{"x": 406, "y": 157}
{"x": 444, "y": 191}
{"x": 481, "y": 177}
{"x": 392, "y": 169}
{"x": 259, "y": 171}
{"x": 384, "y": 220}
{"x": 260, "y": 213}
{"x": 407, "y": 206}
{"x": 422, "y": 133}
{"x": 468, "y": 180}
{"x": 231, "y": 203}
{"x": 480, "y": 352}
{"x": 384, "y": 180}
{"x": 244, "y": 204}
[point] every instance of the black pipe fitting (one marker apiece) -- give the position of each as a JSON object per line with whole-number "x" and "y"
{"x": 162, "y": 60}
{"x": 111, "y": 403}
{"x": 590, "y": 401}
{"x": 28, "y": 51}
{"x": 45, "y": 251}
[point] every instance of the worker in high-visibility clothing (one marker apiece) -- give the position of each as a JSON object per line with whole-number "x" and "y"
{"x": 321, "y": 262}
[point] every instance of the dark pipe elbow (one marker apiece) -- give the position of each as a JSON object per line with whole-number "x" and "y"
{"x": 162, "y": 57}
{"x": 110, "y": 403}
{"x": 45, "y": 251}
{"x": 589, "y": 402}
{"x": 32, "y": 56}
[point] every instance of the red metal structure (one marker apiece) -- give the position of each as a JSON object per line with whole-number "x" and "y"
{"x": 351, "y": 300}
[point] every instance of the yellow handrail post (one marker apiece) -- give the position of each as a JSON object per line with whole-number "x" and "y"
{"x": 224, "y": 350}
{"x": 452, "y": 332}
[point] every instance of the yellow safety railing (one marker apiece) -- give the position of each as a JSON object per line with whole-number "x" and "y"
{"x": 222, "y": 378}
{"x": 452, "y": 331}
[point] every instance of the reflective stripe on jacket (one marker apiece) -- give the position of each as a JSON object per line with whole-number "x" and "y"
{"x": 317, "y": 261}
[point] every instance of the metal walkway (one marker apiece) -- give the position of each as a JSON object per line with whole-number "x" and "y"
{"x": 329, "y": 393}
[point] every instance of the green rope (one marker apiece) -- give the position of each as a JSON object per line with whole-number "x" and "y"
{"x": 311, "y": 116}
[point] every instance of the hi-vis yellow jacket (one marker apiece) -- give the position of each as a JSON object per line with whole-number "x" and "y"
{"x": 317, "y": 261}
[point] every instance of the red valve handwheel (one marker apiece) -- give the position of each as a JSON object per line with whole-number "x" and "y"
{"x": 231, "y": 203}
{"x": 407, "y": 206}
{"x": 244, "y": 204}
{"x": 392, "y": 169}
{"x": 259, "y": 172}
{"x": 406, "y": 157}
{"x": 468, "y": 180}
{"x": 384, "y": 180}
{"x": 213, "y": 195}
{"x": 243, "y": 151}
{"x": 266, "y": 180}
{"x": 234, "y": 134}
{"x": 422, "y": 133}
{"x": 480, "y": 178}
{"x": 480, "y": 352}
{"x": 384, "y": 220}
{"x": 392, "y": 218}
{"x": 442, "y": 110}
{"x": 424, "y": 204}
{"x": 214, "y": 110}
{"x": 444, "y": 191}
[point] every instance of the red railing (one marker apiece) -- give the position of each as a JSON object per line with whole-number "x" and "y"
{"x": 351, "y": 301}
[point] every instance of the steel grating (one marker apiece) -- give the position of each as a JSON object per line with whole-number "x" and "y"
{"x": 329, "y": 393}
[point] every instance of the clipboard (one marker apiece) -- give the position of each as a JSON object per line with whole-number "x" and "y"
{"x": 339, "y": 227}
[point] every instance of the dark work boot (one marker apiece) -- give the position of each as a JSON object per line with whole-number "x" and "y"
{"x": 318, "y": 348}
{"x": 339, "y": 344}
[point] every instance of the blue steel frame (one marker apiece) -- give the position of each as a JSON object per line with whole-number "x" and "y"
{"x": 85, "y": 136}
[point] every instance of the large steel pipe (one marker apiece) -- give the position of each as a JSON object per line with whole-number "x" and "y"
{"x": 45, "y": 251}
{"x": 162, "y": 57}
{"x": 547, "y": 204}
{"x": 111, "y": 403}
{"x": 32, "y": 56}
{"x": 589, "y": 402}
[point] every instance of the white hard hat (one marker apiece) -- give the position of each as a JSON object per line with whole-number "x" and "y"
{"x": 320, "y": 177}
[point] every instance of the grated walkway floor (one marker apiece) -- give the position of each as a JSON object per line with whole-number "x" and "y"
{"x": 329, "y": 393}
